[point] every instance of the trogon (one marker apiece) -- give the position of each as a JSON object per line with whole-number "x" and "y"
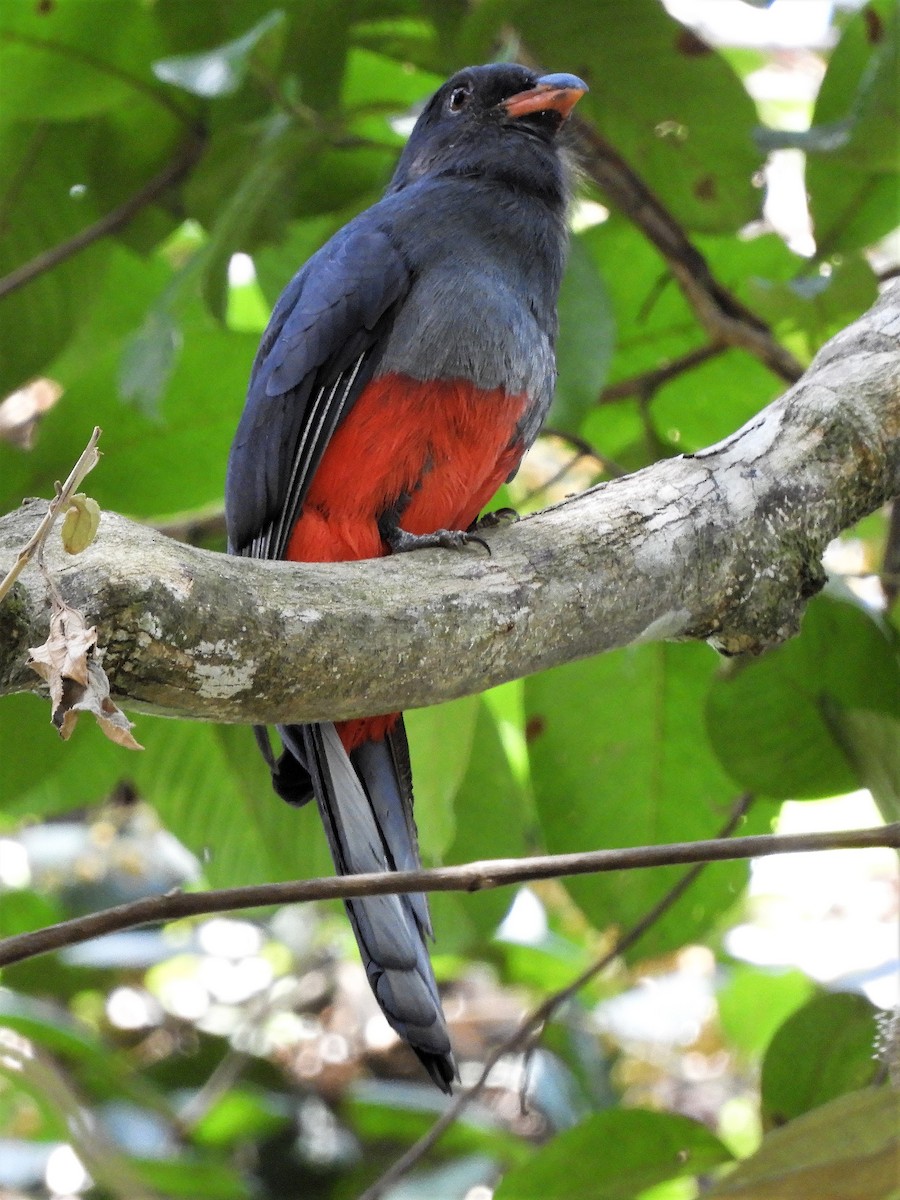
{"x": 406, "y": 369}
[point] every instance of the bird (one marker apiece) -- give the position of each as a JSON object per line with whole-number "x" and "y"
{"x": 405, "y": 370}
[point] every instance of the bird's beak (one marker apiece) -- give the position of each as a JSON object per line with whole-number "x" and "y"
{"x": 556, "y": 93}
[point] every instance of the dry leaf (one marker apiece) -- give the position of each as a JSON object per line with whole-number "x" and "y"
{"x": 80, "y": 524}
{"x": 64, "y": 654}
{"x": 68, "y": 662}
{"x": 95, "y": 699}
{"x": 21, "y": 411}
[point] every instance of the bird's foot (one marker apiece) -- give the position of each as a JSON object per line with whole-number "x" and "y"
{"x": 402, "y": 542}
{"x": 498, "y": 519}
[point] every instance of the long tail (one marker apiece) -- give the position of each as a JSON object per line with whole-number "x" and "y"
{"x": 365, "y": 799}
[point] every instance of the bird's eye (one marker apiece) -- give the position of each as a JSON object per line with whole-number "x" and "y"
{"x": 459, "y": 98}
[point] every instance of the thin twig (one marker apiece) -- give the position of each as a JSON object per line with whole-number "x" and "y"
{"x": 890, "y": 567}
{"x": 187, "y": 157}
{"x": 645, "y": 385}
{"x": 194, "y": 529}
{"x": 533, "y": 1022}
{"x": 223, "y": 1078}
{"x": 585, "y": 449}
{"x": 470, "y": 877}
{"x": 89, "y": 458}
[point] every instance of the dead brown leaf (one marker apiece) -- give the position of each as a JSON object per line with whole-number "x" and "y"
{"x": 21, "y": 411}
{"x": 68, "y": 662}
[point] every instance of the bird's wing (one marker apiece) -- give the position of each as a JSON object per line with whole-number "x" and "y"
{"x": 316, "y": 356}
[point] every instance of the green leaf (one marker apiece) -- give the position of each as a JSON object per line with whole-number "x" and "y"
{"x": 378, "y": 81}
{"x": 859, "y": 90}
{"x": 586, "y": 338}
{"x": 40, "y": 206}
{"x": 654, "y": 325}
{"x": 857, "y": 115}
{"x": 23, "y": 910}
{"x": 824, "y": 1049}
{"x": 208, "y": 783}
{"x": 143, "y": 470}
{"x": 390, "y": 1110}
{"x": 853, "y": 187}
{"x": 815, "y": 306}
{"x": 652, "y": 319}
{"x": 93, "y": 1064}
{"x": 192, "y": 1176}
{"x": 213, "y": 791}
{"x": 871, "y": 742}
{"x": 851, "y": 209}
{"x": 440, "y": 743}
{"x": 619, "y": 757}
{"x": 754, "y": 1003}
{"x": 221, "y": 71}
{"x": 842, "y": 1151}
{"x": 639, "y": 1149}
{"x": 68, "y": 61}
{"x": 318, "y": 44}
{"x": 546, "y": 967}
{"x": 40, "y": 774}
{"x": 27, "y": 1068}
{"x": 149, "y": 359}
{"x": 770, "y": 720}
{"x": 242, "y": 1113}
{"x": 128, "y": 148}
{"x": 407, "y": 40}
{"x": 489, "y": 811}
{"x": 712, "y": 400}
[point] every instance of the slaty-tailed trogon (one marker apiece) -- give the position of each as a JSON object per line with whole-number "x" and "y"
{"x": 406, "y": 369}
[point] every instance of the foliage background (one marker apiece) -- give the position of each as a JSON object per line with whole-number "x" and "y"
{"x": 234, "y": 1060}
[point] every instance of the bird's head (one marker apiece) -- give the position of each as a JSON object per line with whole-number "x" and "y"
{"x": 497, "y": 121}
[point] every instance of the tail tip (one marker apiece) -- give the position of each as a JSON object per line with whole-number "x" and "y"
{"x": 442, "y": 1068}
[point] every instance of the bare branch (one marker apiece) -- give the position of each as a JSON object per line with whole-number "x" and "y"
{"x": 723, "y": 545}
{"x": 472, "y": 877}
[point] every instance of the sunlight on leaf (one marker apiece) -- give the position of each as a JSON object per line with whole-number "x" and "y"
{"x": 221, "y": 72}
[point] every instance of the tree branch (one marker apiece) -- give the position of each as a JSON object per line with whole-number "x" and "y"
{"x": 722, "y": 545}
{"x": 471, "y": 877}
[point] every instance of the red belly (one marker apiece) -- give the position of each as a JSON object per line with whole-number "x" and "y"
{"x": 445, "y": 444}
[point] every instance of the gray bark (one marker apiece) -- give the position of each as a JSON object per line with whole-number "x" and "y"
{"x": 723, "y": 545}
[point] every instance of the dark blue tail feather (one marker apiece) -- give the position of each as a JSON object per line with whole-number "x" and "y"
{"x": 365, "y": 800}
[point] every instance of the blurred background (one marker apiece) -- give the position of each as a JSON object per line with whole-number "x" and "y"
{"x": 165, "y": 167}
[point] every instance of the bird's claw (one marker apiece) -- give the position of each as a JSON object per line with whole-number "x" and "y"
{"x": 496, "y": 519}
{"x": 402, "y": 542}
